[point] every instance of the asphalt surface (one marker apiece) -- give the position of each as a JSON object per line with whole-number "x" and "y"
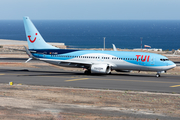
{"x": 133, "y": 82}
{"x": 50, "y": 76}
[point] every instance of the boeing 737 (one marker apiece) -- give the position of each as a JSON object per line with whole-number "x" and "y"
{"x": 94, "y": 61}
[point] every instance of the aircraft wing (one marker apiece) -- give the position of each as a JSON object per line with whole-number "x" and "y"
{"x": 72, "y": 63}
{"x": 66, "y": 61}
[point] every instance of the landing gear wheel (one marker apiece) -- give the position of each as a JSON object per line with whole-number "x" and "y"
{"x": 158, "y": 75}
{"x": 87, "y": 72}
{"x": 108, "y": 73}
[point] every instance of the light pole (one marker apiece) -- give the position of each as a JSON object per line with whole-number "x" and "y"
{"x": 141, "y": 43}
{"x": 104, "y": 42}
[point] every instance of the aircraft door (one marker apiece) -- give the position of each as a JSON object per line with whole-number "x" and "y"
{"x": 166, "y": 63}
{"x": 152, "y": 60}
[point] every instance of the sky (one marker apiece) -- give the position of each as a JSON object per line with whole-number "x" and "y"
{"x": 90, "y": 9}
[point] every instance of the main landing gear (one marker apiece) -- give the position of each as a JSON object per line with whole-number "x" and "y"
{"x": 87, "y": 72}
{"x": 158, "y": 75}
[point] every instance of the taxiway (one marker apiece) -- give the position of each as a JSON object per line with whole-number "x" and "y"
{"x": 47, "y": 76}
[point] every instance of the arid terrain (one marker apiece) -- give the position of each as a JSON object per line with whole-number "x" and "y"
{"x": 43, "y": 102}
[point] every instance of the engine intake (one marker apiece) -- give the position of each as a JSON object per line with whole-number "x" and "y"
{"x": 100, "y": 68}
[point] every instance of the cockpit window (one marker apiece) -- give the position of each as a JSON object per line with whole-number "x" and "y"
{"x": 164, "y": 59}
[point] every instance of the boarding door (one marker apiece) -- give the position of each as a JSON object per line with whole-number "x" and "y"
{"x": 166, "y": 63}
{"x": 152, "y": 60}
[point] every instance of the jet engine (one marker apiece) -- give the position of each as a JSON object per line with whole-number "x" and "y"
{"x": 100, "y": 68}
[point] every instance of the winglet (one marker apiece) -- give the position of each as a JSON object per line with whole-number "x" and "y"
{"x": 114, "y": 47}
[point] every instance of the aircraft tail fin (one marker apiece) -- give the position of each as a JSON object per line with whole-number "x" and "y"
{"x": 34, "y": 38}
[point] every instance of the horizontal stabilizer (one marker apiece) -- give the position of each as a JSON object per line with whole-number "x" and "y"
{"x": 29, "y": 54}
{"x": 28, "y": 60}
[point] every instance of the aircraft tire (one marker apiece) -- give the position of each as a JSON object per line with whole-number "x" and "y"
{"x": 87, "y": 72}
{"x": 157, "y": 75}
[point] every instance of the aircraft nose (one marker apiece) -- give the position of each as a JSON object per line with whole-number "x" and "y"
{"x": 173, "y": 65}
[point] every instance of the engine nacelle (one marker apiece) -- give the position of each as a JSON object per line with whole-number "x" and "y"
{"x": 100, "y": 68}
{"x": 162, "y": 72}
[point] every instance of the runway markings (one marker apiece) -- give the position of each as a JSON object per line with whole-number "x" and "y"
{"x": 140, "y": 81}
{"x": 76, "y": 79}
{"x": 175, "y": 86}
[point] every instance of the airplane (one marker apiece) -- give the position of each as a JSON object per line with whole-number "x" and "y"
{"x": 93, "y": 61}
{"x": 175, "y": 54}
